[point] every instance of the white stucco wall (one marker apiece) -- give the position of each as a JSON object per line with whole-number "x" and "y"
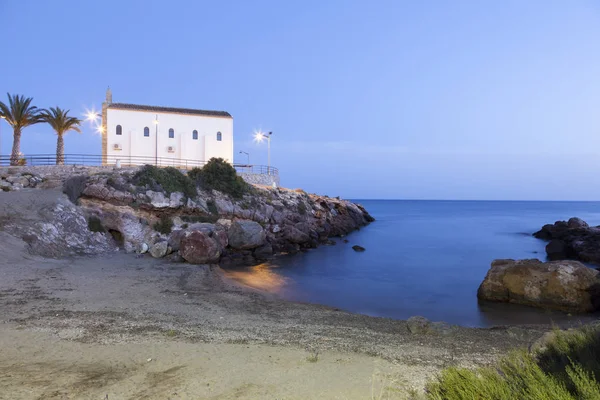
{"x": 134, "y": 144}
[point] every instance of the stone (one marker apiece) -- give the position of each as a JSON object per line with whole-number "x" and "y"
{"x": 198, "y": 247}
{"x": 562, "y": 285}
{"x": 18, "y": 179}
{"x": 143, "y": 248}
{"x": 175, "y": 237}
{"x": 225, "y": 223}
{"x": 556, "y": 250}
{"x": 246, "y": 234}
{"x": 358, "y": 248}
{"x": 295, "y": 235}
{"x": 263, "y": 252}
{"x": 159, "y": 249}
{"x": 158, "y": 199}
{"x": 575, "y": 223}
{"x": 418, "y": 325}
{"x": 275, "y": 228}
{"x": 176, "y": 199}
{"x": 5, "y": 186}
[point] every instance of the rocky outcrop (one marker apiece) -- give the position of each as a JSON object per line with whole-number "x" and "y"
{"x": 213, "y": 227}
{"x": 563, "y": 285}
{"x": 572, "y": 239}
{"x": 51, "y": 225}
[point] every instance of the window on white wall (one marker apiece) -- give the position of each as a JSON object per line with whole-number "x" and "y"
{"x": 219, "y": 136}
{"x": 119, "y": 130}
{"x": 195, "y": 135}
{"x": 171, "y": 133}
{"x": 146, "y": 131}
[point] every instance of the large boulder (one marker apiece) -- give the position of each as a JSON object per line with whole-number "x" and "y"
{"x": 200, "y": 247}
{"x": 246, "y": 234}
{"x": 563, "y": 285}
{"x": 556, "y": 250}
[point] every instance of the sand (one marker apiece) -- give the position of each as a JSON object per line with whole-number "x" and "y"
{"x": 85, "y": 328}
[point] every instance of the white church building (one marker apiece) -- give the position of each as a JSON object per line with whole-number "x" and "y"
{"x": 140, "y": 134}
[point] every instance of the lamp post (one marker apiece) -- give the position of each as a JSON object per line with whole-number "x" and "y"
{"x": 247, "y": 155}
{"x": 1, "y": 118}
{"x": 259, "y": 137}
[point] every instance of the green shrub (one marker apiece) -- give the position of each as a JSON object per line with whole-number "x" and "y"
{"x": 95, "y": 225}
{"x": 168, "y": 179}
{"x": 219, "y": 175}
{"x": 164, "y": 225}
{"x": 74, "y": 186}
{"x": 567, "y": 369}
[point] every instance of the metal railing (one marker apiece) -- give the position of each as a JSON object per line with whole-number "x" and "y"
{"x": 128, "y": 161}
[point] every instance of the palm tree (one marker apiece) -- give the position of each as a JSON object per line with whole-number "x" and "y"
{"x": 61, "y": 122}
{"x": 19, "y": 114}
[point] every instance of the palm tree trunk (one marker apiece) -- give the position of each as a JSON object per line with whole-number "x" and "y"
{"x": 16, "y": 149}
{"x": 60, "y": 150}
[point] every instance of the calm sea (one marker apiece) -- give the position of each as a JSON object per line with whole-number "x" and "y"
{"x": 422, "y": 258}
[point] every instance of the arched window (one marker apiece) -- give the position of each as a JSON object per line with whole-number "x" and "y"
{"x": 119, "y": 130}
{"x": 219, "y": 136}
{"x": 146, "y": 131}
{"x": 195, "y": 135}
{"x": 171, "y": 133}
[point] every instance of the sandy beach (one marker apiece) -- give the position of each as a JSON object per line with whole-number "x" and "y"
{"x": 86, "y": 328}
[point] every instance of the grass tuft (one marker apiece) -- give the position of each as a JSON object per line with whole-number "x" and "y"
{"x": 566, "y": 369}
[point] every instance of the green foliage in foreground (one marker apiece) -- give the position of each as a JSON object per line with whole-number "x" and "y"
{"x": 219, "y": 175}
{"x": 168, "y": 179}
{"x": 567, "y": 369}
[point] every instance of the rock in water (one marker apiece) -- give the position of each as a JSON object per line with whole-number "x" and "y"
{"x": 556, "y": 250}
{"x": 563, "y": 285}
{"x": 159, "y": 249}
{"x": 246, "y": 235}
{"x": 198, "y": 247}
{"x": 358, "y": 248}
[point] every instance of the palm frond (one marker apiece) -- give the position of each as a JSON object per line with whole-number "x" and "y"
{"x": 19, "y": 112}
{"x": 60, "y": 120}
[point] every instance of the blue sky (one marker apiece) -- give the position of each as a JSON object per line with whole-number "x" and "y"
{"x": 366, "y": 99}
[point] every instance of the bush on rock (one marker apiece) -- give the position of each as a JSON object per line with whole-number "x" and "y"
{"x": 168, "y": 179}
{"x": 219, "y": 175}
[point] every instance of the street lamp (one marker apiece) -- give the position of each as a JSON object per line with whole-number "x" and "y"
{"x": 1, "y": 117}
{"x": 247, "y": 155}
{"x": 259, "y": 137}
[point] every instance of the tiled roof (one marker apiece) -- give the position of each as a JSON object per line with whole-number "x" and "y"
{"x": 137, "y": 107}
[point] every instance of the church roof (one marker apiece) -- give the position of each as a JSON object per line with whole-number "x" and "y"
{"x": 190, "y": 111}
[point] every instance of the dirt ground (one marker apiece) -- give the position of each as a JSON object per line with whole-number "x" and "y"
{"x": 121, "y": 326}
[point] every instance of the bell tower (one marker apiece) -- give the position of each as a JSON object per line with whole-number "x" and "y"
{"x": 104, "y": 127}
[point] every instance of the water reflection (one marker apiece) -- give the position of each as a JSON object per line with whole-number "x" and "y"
{"x": 260, "y": 277}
